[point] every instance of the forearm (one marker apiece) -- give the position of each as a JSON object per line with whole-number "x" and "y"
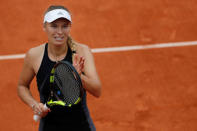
{"x": 91, "y": 85}
{"x": 26, "y": 96}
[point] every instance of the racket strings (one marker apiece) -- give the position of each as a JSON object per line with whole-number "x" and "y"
{"x": 68, "y": 84}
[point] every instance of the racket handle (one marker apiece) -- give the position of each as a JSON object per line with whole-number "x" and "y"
{"x": 37, "y": 117}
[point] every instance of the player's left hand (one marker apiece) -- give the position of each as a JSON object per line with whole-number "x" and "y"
{"x": 78, "y": 63}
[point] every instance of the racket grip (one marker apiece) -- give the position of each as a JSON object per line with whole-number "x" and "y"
{"x": 37, "y": 117}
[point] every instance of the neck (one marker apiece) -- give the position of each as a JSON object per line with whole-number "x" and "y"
{"x": 57, "y": 53}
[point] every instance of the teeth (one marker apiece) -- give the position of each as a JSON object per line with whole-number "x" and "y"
{"x": 59, "y": 38}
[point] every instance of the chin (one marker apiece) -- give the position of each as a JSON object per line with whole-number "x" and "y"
{"x": 59, "y": 43}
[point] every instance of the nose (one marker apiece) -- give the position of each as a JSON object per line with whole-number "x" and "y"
{"x": 59, "y": 30}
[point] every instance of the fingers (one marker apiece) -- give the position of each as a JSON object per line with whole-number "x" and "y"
{"x": 36, "y": 109}
{"x": 40, "y": 109}
{"x": 75, "y": 60}
{"x": 81, "y": 65}
{"x": 78, "y": 63}
{"x": 44, "y": 110}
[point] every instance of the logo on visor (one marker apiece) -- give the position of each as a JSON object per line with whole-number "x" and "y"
{"x": 60, "y": 13}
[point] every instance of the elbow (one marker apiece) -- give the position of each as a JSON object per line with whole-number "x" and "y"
{"x": 98, "y": 91}
{"x": 19, "y": 90}
{"x": 94, "y": 88}
{"x": 98, "y": 95}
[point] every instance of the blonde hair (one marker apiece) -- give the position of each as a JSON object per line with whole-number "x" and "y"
{"x": 72, "y": 44}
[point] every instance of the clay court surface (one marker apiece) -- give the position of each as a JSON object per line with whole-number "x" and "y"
{"x": 143, "y": 90}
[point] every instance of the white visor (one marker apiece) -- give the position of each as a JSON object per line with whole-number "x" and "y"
{"x": 56, "y": 14}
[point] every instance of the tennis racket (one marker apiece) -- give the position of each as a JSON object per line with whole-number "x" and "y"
{"x": 65, "y": 86}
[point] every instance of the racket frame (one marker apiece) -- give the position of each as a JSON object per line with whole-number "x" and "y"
{"x": 52, "y": 80}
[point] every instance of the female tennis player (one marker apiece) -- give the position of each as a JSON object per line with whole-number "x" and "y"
{"x": 40, "y": 60}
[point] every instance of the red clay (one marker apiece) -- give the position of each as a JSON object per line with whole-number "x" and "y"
{"x": 147, "y": 90}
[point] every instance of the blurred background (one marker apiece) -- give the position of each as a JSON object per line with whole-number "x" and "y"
{"x": 143, "y": 90}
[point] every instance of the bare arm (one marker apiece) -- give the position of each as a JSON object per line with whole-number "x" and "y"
{"x": 90, "y": 77}
{"x": 25, "y": 79}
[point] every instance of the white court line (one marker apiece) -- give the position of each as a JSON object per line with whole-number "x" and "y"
{"x": 144, "y": 47}
{"x": 16, "y": 56}
{"x": 118, "y": 49}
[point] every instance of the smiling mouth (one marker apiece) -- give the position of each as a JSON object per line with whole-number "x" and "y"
{"x": 59, "y": 38}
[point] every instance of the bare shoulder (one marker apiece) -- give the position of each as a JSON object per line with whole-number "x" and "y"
{"x": 34, "y": 57}
{"x": 82, "y": 48}
{"x": 35, "y": 52}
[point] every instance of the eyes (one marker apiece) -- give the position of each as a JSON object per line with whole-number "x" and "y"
{"x": 58, "y": 25}
{"x": 54, "y": 25}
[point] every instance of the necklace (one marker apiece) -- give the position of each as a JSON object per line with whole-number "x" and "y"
{"x": 57, "y": 56}
{"x": 60, "y": 57}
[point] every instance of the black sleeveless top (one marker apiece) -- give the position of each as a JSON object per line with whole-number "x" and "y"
{"x": 61, "y": 118}
{"x": 42, "y": 76}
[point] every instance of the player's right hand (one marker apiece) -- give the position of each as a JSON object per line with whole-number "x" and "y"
{"x": 40, "y": 109}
